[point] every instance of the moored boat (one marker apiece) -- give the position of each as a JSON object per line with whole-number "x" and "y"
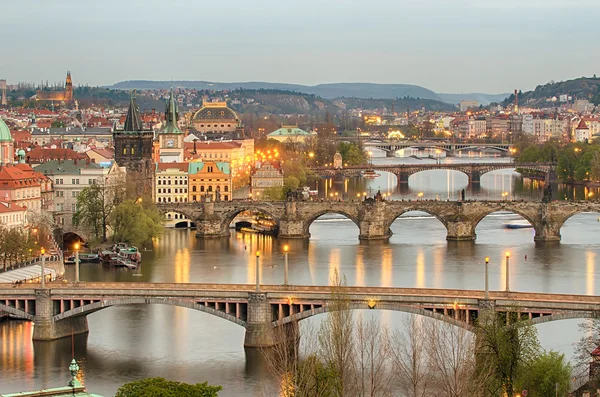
{"x": 370, "y": 174}
{"x": 520, "y": 224}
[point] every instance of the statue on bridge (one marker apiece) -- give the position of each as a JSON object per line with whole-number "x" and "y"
{"x": 547, "y": 194}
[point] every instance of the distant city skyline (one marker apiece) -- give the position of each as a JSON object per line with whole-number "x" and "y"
{"x": 448, "y": 46}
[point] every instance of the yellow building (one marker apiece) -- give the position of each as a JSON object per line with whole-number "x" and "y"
{"x": 209, "y": 180}
{"x": 171, "y": 183}
{"x": 216, "y": 117}
{"x": 240, "y": 154}
{"x": 266, "y": 175}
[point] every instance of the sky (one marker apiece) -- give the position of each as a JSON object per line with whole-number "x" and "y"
{"x": 449, "y": 46}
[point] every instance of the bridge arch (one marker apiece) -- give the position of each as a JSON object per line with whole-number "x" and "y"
{"x": 380, "y": 306}
{"x": 105, "y": 303}
{"x": 396, "y": 214}
{"x": 578, "y": 211}
{"x": 514, "y": 209}
{"x": 314, "y": 216}
{"x": 575, "y": 315}
{"x": 228, "y": 217}
{"x": 173, "y": 208}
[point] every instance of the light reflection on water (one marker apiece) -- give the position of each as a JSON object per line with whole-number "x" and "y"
{"x": 132, "y": 342}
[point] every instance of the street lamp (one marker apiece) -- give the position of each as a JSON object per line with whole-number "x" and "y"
{"x": 257, "y": 272}
{"x": 420, "y": 195}
{"x": 43, "y": 281}
{"x": 507, "y": 289}
{"x": 487, "y": 285}
{"x": 76, "y": 262}
{"x": 286, "y": 249}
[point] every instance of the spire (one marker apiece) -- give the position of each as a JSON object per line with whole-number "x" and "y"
{"x": 171, "y": 117}
{"x": 133, "y": 122}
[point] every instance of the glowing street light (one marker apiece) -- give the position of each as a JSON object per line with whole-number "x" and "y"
{"x": 43, "y": 265}
{"x": 257, "y": 271}
{"x": 507, "y": 289}
{"x": 487, "y": 285}
{"x": 286, "y": 249}
{"x": 76, "y": 262}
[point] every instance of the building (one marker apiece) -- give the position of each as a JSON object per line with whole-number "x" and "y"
{"x": 466, "y": 105}
{"x": 40, "y": 155}
{"x": 217, "y": 118}
{"x": 7, "y": 148}
{"x": 267, "y": 174}
{"x": 70, "y": 177}
{"x": 240, "y": 154}
{"x": 171, "y": 183}
{"x": 170, "y": 137}
{"x": 477, "y": 128}
{"x": 103, "y": 155}
{"x": 582, "y": 106}
{"x": 210, "y": 180}
{"x": 45, "y": 136}
{"x": 12, "y": 216}
{"x": 4, "y": 101}
{"x": 20, "y": 186}
{"x": 58, "y": 96}
{"x": 289, "y": 134}
{"x": 582, "y": 132}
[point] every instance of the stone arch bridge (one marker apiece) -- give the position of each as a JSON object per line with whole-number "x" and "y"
{"x": 448, "y": 147}
{"x": 374, "y": 218}
{"x": 61, "y": 309}
{"x": 403, "y": 171}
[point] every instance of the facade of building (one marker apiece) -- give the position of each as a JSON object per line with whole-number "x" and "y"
{"x": 477, "y": 128}
{"x": 133, "y": 145}
{"x": 466, "y": 105}
{"x": 216, "y": 118}
{"x": 170, "y": 137}
{"x": 12, "y": 216}
{"x": 45, "y": 136}
{"x": 39, "y": 155}
{"x": 266, "y": 175}
{"x": 210, "y": 180}
{"x": 20, "y": 186}
{"x": 582, "y": 132}
{"x": 70, "y": 177}
{"x": 58, "y": 96}
{"x": 171, "y": 183}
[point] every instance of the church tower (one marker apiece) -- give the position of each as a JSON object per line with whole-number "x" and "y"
{"x": 68, "y": 88}
{"x": 170, "y": 137}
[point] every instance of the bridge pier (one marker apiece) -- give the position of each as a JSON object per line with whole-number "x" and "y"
{"x": 292, "y": 229}
{"x": 460, "y": 231}
{"x": 475, "y": 177}
{"x": 210, "y": 225}
{"x": 259, "y": 330}
{"x": 546, "y": 232}
{"x": 45, "y": 328}
{"x": 372, "y": 222}
{"x": 402, "y": 177}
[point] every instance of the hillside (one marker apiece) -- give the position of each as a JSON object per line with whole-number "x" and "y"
{"x": 327, "y": 91}
{"x": 580, "y": 88}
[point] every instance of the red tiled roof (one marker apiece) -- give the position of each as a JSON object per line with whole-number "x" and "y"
{"x": 41, "y": 155}
{"x": 106, "y": 153}
{"x": 21, "y": 136}
{"x": 213, "y": 145}
{"x": 10, "y": 207}
{"x": 12, "y": 177}
{"x": 183, "y": 167}
{"x": 582, "y": 125}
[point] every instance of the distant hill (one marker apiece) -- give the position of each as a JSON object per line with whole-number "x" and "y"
{"x": 580, "y": 88}
{"x": 327, "y": 91}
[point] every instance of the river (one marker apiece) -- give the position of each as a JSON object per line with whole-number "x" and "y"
{"x": 132, "y": 342}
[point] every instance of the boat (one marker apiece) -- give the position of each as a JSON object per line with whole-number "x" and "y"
{"x": 120, "y": 261}
{"x": 520, "y": 224}
{"x": 121, "y": 250}
{"x": 414, "y": 156}
{"x": 70, "y": 260}
{"x": 370, "y": 174}
{"x": 89, "y": 258}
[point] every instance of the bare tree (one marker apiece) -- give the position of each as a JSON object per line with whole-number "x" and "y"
{"x": 372, "y": 361}
{"x": 411, "y": 362}
{"x": 452, "y": 356}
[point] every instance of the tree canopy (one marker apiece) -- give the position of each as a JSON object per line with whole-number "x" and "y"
{"x": 160, "y": 387}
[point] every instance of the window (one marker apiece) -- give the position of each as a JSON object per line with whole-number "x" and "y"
{"x": 73, "y": 207}
{"x": 193, "y": 188}
{"x": 132, "y": 150}
{"x": 176, "y": 181}
{"x": 218, "y": 188}
{"x": 226, "y": 188}
{"x": 169, "y": 191}
{"x": 159, "y": 182}
{"x": 124, "y": 150}
{"x": 59, "y": 182}
{"x": 59, "y": 207}
{"x": 75, "y": 181}
{"x": 226, "y": 198}
{"x": 201, "y": 188}
{"x": 210, "y": 188}
{"x": 73, "y": 193}
{"x": 194, "y": 198}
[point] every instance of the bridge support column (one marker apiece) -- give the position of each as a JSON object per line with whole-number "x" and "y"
{"x": 210, "y": 225}
{"x": 45, "y": 328}
{"x": 546, "y": 232}
{"x": 402, "y": 177}
{"x": 475, "y": 177}
{"x": 291, "y": 226}
{"x": 259, "y": 330}
{"x": 460, "y": 231}
{"x": 372, "y": 221}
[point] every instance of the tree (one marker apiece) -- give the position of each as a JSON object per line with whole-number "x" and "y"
{"x": 351, "y": 153}
{"x": 160, "y": 387}
{"x": 506, "y": 347}
{"x": 95, "y": 207}
{"x": 412, "y": 364}
{"x": 548, "y": 374}
{"x": 133, "y": 223}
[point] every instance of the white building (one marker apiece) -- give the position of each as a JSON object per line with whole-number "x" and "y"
{"x": 12, "y": 216}
{"x": 466, "y": 105}
{"x": 582, "y": 132}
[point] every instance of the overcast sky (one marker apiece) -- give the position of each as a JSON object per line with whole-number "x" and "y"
{"x": 445, "y": 45}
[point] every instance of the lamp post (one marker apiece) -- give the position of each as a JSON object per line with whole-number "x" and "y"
{"x": 286, "y": 249}
{"x": 257, "y": 272}
{"x": 507, "y": 289}
{"x": 43, "y": 280}
{"x": 487, "y": 285}
{"x": 76, "y": 262}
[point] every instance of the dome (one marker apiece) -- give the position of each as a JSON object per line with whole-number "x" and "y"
{"x": 215, "y": 111}
{"x": 21, "y": 152}
{"x": 5, "y": 132}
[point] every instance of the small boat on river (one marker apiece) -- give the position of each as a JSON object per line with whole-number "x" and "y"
{"x": 520, "y": 224}
{"x": 370, "y": 174}
{"x": 121, "y": 250}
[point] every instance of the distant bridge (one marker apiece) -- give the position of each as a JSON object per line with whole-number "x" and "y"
{"x": 449, "y": 148}
{"x": 403, "y": 171}
{"x": 61, "y": 309}
{"x": 374, "y": 218}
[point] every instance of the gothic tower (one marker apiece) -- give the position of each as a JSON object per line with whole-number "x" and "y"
{"x": 68, "y": 88}
{"x": 3, "y": 89}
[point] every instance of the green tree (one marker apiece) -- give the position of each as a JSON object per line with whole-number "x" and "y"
{"x": 351, "y": 153}
{"x": 505, "y": 351}
{"x": 133, "y": 223}
{"x": 544, "y": 373}
{"x": 160, "y": 387}
{"x": 95, "y": 207}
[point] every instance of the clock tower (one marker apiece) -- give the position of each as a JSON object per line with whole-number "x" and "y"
{"x": 170, "y": 136}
